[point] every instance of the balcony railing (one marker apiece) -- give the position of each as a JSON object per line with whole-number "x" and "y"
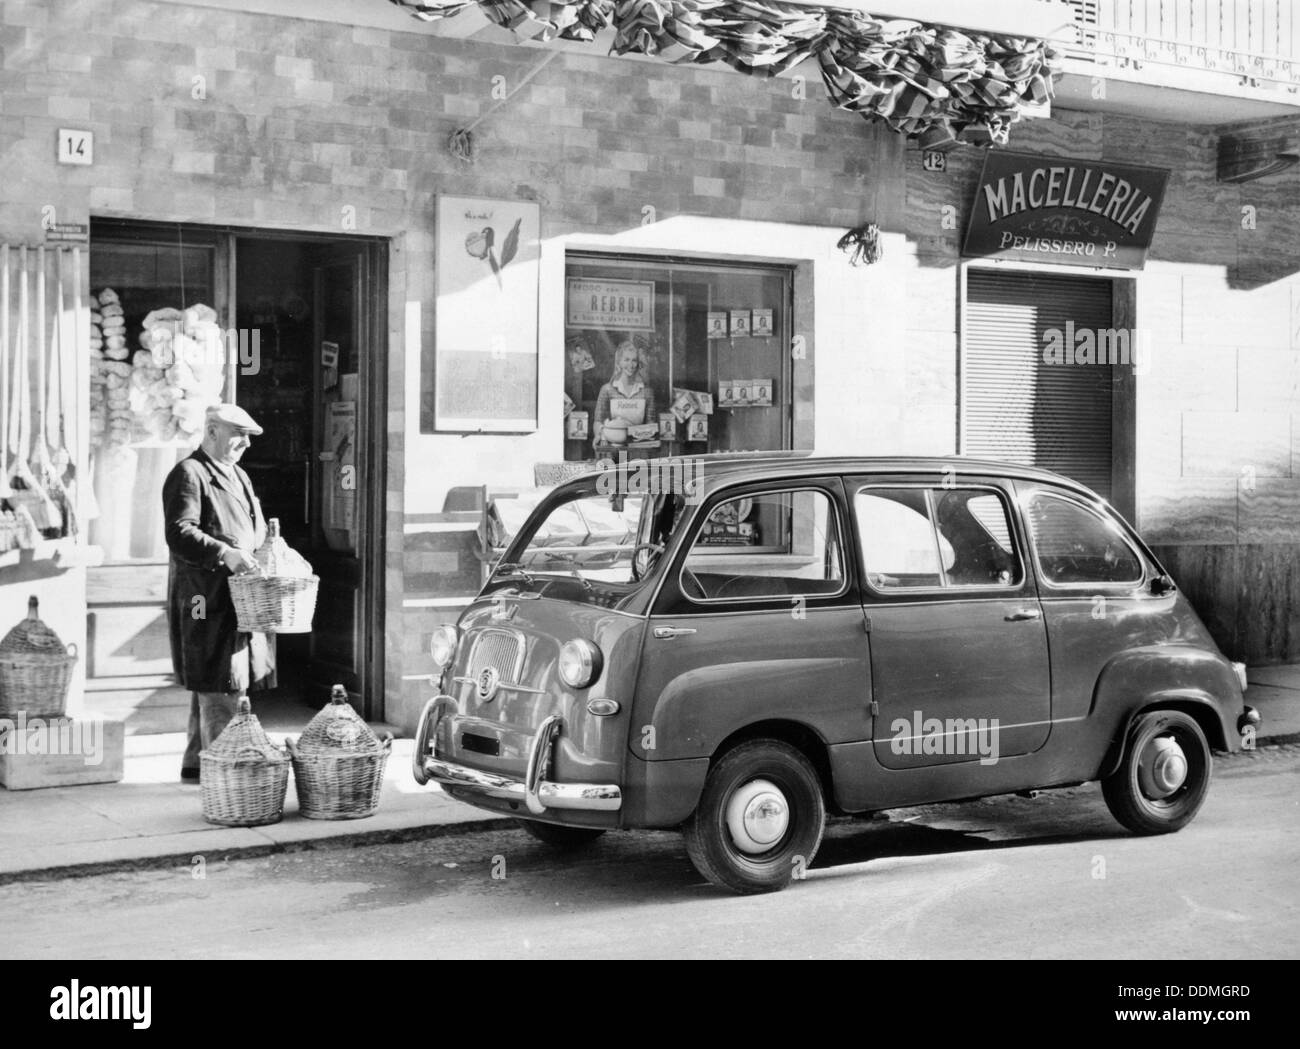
{"x": 1255, "y": 41}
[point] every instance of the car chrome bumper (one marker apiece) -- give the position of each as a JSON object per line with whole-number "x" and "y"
{"x": 536, "y": 793}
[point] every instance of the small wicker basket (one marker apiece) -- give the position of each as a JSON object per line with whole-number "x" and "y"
{"x": 280, "y": 597}
{"x": 243, "y": 776}
{"x": 338, "y": 763}
{"x": 35, "y": 668}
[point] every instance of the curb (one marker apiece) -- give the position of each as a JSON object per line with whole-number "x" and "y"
{"x": 182, "y": 859}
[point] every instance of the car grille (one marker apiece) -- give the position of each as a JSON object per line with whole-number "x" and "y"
{"x": 502, "y": 650}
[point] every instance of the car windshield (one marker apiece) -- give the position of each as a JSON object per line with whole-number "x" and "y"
{"x": 593, "y": 537}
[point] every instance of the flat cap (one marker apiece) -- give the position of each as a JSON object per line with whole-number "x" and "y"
{"x": 235, "y": 416}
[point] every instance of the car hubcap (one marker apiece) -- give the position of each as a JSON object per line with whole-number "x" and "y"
{"x": 757, "y": 816}
{"x": 1163, "y": 768}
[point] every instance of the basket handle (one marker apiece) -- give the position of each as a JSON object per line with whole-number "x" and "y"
{"x": 290, "y": 746}
{"x": 72, "y": 649}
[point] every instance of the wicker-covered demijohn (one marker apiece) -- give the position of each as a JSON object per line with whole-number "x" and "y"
{"x": 35, "y": 668}
{"x": 280, "y": 597}
{"x": 338, "y": 763}
{"x": 243, "y": 776}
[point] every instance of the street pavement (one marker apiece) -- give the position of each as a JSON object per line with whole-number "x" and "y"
{"x": 1007, "y": 877}
{"x": 152, "y": 820}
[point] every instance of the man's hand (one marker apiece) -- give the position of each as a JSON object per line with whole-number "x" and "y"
{"x": 238, "y": 561}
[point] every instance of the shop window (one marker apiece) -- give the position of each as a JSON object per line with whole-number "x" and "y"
{"x": 148, "y": 391}
{"x": 667, "y": 359}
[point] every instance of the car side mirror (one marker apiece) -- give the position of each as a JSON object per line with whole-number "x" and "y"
{"x": 1161, "y": 585}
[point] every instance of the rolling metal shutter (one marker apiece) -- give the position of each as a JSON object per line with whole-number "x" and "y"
{"x": 1015, "y": 406}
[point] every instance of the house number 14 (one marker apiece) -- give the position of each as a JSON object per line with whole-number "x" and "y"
{"x": 76, "y": 147}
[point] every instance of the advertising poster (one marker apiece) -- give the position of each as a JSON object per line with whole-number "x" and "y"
{"x": 485, "y": 366}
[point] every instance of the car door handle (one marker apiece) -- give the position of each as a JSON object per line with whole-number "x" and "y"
{"x": 666, "y": 632}
{"x": 1024, "y": 613}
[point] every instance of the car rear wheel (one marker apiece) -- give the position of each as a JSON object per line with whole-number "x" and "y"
{"x": 1164, "y": 775}
{"x": 760, "y": 818}
{"x": 561, "y": 837}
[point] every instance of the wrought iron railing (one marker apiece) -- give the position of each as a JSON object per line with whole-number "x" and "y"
{"x": 1255, "y": 41}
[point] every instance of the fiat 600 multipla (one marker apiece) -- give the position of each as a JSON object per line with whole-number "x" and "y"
{"x": 738, "y": 646}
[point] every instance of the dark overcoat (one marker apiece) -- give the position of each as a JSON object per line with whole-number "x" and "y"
{"x": 204, "y": 515}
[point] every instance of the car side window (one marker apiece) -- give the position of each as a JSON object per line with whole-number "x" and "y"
{"x": 1075, "y": 545}
{"x": 973, "y": 521}
{"x": 767, "y": 545}
{"x": 933, "y": 538}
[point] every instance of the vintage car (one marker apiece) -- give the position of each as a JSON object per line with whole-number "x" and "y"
{"x": 738, "y": 645}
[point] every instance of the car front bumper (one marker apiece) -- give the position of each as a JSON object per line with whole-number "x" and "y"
{"x": 537, "y": 793}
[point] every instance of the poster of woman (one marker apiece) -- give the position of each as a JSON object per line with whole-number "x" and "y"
{"x": 626, "y": 400}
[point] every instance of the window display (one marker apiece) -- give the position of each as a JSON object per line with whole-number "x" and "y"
{"x": 666, "y": 358}
{"x": 157, "y": 361}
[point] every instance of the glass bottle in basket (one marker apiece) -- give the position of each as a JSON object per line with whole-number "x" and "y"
{"x": 275, "y": 557}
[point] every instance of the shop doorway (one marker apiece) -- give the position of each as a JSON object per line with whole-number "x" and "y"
{"x": 307, "y": 315}
{"x": 1023, "y": 404}
{"x": 310, "y": 305}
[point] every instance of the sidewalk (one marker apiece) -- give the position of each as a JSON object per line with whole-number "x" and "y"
{"x": 150, "y": 819}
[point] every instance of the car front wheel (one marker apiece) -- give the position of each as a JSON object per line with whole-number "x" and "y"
{"x": 1164, "y": 774}
{"x": 760, "y": 818}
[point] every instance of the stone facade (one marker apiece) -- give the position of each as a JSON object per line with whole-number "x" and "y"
{"x": 217, "y": 116}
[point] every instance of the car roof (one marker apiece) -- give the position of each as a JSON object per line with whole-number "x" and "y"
{"x": 726, "y": 468}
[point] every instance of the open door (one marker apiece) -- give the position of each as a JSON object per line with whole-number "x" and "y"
{"x": 343, "y": 286}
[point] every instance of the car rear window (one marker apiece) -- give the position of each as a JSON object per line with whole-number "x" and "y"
{"x": 1075, "y": 545}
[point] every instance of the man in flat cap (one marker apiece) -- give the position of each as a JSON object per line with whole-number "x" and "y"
{"x": 213, "y": 524}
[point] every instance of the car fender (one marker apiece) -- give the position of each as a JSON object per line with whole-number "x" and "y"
{"x": 739, "y": 694}
{"x": 1175, "y": 677}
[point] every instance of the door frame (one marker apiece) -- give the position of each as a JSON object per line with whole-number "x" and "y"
{"x": 372, "y": 407}
{"x": 1123, "y": 435}
{"x": 372, "y": 421}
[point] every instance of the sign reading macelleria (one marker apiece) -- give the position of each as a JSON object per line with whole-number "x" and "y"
{"x": 1064, "y": 211}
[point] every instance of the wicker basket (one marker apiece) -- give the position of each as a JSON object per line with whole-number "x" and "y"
{"x": 338, "y": 763}
{"x": 35, "y": 668}
{"x": 243, "y": 776}
{"x": 280, "y": 597}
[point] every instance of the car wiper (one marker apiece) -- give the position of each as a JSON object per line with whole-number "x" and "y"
{"x": 514, "y": 568}
{"x": 571, "y": 560}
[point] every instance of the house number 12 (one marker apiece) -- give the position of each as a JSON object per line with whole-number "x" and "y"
{"x": 76, "y": 147}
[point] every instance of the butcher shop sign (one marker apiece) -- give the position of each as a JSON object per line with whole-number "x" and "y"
{"x": 1066, "y": 212}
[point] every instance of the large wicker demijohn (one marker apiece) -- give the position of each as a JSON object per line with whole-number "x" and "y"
{"x": 35, "y": 668}
{"x": 280, "y": 597}
{"x": 243, "y": 776}
{"x": 338, "y": 763}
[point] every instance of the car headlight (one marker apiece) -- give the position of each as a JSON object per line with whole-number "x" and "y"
{"x": 580, "y": 663}
{"x": 442, "y": 646}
